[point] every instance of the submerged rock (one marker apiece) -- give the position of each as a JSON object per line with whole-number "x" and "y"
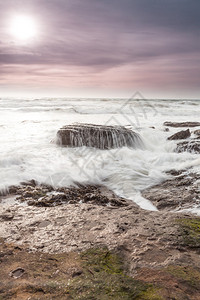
{"x": 182, "y": 124}
{"x": 192, "y": 146}
{"x": 183, "y": 134}
{"x": 98, "y": 136}
{"x": 197, "y": 132}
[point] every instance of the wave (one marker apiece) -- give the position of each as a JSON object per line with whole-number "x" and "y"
{"x": 26, "y": 151}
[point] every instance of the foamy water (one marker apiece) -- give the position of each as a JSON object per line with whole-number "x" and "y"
{"x": 28, "y": 149}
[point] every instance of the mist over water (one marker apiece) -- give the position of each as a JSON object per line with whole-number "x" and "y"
{"x": 28, "y": 149}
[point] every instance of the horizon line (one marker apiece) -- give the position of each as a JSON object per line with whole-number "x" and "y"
{"x": 94, "y": 98}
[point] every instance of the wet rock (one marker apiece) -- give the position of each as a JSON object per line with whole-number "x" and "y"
{"x": 192, "y": 146}
{"x": 197, "y": 132}
{"x": 182, "y": 124}
{"x": 178, "y": 192}
{"x": 183, "y": 134}
{"x": 12, "y": 190}
{"x": 32, "y": 182}
{"x": 44, "y": 196}
{"x": 98, "y": 136}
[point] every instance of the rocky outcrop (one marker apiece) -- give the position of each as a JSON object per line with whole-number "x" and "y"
{"x": 100, "y": 272}
{"x": 47, "y": 196}
{"x": 181, "y": 124}
{"x": 183, "y": 134}
{"x": 192, "y": 146}
{"x": 178, "y": 192}
{"x": 84, "y": 250}
{"x": 98, "y": 136}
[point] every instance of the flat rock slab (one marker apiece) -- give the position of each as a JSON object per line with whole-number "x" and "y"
{"x": 181, "y": 124}
{"x": 179, "y": 192}
{"x": 146, "y": 237}
{"x": 98, "y": 136}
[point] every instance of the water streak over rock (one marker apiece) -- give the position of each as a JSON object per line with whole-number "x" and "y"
{"x": 192, "y": 146}
{"x": 197, "y": 132}
{"x": 98, "y": 136}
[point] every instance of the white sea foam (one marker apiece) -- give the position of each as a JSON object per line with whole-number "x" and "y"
{"x": 27, "y": 149}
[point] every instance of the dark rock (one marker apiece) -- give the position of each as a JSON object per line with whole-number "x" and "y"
{"x": 98, "y": 136}
{"x": 178, "y": 192}
{"x": 183, "y": 134}
{"x": 192, "y": 146}
{"x": 30, "y": 183}
{"x": 176, "y": 172}
{"x": 182, "y": 124}
{"x": 77, "y": 272}
{"x": 45, "y": 197}
{"x": 197, "y": 132}
{"x": 12, "y": 190}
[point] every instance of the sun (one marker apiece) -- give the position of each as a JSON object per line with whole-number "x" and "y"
{"x": 23, "y": 28}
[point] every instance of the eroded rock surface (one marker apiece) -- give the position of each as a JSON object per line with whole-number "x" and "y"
{"x": 146, "y": 238}
{"x": 75, "y": 249}
{"x": 179, "y": 192}
{"x": 96, "y": 273}
{"x": 98, "y": 136}
{"x": 45, "y": 196}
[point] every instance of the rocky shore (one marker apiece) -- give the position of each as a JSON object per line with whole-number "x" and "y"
{"x": 179, "y": 192}
{"x": 75, "y": 249}
{"x": 85, "y": 242}
{"x": 188, "y": 143}
{"x": 46, "y": 196}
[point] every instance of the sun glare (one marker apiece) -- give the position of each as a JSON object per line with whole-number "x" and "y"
{"x": 23, "y": 28}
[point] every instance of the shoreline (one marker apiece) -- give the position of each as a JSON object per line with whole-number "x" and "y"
{"x": 146, "y": 242}
{"x": 70, "y": 243}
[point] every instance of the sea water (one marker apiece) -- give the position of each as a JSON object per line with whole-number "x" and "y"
{"x": 28, "y": 148}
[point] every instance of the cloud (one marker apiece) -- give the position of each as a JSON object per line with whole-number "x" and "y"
{"x": 98, "y": 37}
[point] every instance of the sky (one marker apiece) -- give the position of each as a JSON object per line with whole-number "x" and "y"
{"x": 102, "y": 48}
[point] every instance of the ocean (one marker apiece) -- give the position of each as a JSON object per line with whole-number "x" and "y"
{"x": 28, "y": 148}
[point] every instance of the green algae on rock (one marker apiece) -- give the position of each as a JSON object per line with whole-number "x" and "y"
{"x": 190, "y": 231}
{"x": 96, "y": 273}
{"x": 187, "y": 274}
{"x": 104, "y": 278}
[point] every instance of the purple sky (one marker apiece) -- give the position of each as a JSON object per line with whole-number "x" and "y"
{"x": 103, "y": 48}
